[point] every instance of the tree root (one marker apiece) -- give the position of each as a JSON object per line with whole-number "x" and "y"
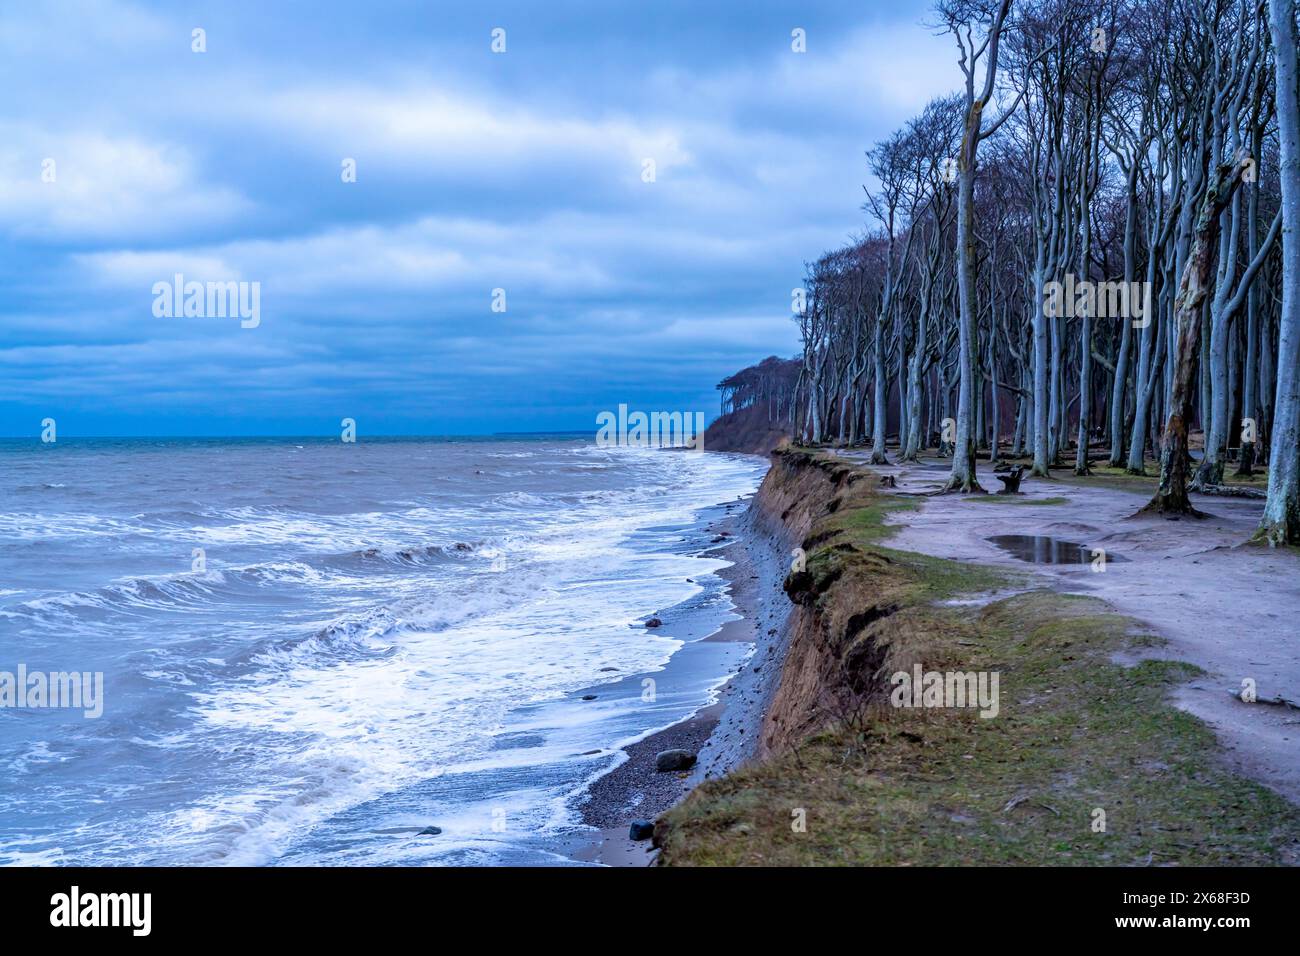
{"x": 1271, "y": 701}
{"x": 1158, "y": 506}
{"x": 1234, "y": 491}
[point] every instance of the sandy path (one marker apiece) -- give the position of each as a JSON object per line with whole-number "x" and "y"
{"x": 1233, "y": 611}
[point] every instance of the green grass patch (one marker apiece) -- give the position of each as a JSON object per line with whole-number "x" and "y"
{"x": 859, "y": 523}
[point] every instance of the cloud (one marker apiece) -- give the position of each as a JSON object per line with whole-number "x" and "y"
{"x": 475, "y": 172}
{"x": 87, "y": 185}
{"x": 459, "y": 131}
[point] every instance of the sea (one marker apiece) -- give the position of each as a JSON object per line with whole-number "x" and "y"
{"x": 403, "y": 651}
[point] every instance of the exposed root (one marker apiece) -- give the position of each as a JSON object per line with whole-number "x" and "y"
{"x": 1172, "y": 512}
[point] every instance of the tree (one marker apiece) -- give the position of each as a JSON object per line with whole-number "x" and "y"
{"x": 961, "y": 17}
{"x": 1281, "y": 521}
{"x": 1105, "y": 170}
{"x": 1171, "y": 495}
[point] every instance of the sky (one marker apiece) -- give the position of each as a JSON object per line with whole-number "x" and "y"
{"x": 127, "y": 158}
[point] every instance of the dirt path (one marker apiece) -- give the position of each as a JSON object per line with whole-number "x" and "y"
{"x": 1233, "y": 611}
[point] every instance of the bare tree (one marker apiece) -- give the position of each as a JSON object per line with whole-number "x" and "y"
{"x": 1281, "y": 521}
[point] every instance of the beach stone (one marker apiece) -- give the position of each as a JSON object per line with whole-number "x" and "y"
{"x": 654, "y": 622}
{"x": 430, "y": 831}
{"x": 668, "y": 760}
{"x": 641, "y": 830}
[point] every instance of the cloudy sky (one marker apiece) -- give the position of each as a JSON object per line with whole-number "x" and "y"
{"x": 522, "y": 171}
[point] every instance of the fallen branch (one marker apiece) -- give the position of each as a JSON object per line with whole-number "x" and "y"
{"x": 1024, "y": 798}
{"x": 1271, "y": 701}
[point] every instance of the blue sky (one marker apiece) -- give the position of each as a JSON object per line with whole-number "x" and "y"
{"x": 475, "y": 171}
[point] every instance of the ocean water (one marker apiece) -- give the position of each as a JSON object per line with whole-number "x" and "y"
{"x": 385, "y": 636}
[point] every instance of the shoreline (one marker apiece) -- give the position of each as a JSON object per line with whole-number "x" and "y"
{"x": 722, "y": 733}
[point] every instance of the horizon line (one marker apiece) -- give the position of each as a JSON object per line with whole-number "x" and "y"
{"x": 287, "y": 435}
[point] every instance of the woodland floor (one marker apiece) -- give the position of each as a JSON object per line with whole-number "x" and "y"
{"x": 1230, "y": 608}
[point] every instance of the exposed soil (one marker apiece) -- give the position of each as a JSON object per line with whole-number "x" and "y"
{"x": 750, "y": 431}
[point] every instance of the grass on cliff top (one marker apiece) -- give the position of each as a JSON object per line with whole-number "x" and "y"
{"x": 859, "y": 520}
{"x": 1076, "y": 733}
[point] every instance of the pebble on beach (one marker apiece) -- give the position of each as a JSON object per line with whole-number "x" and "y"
{"x": 669, "y": 760}
{"x": 640, "y": 830}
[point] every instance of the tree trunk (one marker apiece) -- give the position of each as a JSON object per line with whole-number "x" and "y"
{"x": 879, "y": 407}
{"x": 1042, "y": 453}
{"x": 963, "y": 454}
{"x": 1120, "y": 383}
{"x": 1171, "y": 496}
{"x": 1280, "y": 523}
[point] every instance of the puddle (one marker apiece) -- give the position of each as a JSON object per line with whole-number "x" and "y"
{"x": 1040, "y": 549}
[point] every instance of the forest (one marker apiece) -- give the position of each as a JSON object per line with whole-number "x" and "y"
{"x": 1087, "y": 254}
